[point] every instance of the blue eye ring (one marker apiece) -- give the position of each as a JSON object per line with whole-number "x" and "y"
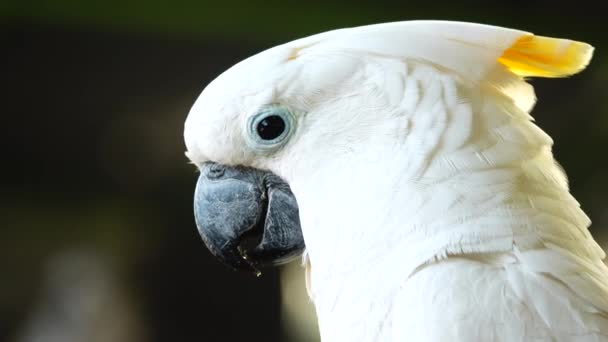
{"x": 270, "y": 127}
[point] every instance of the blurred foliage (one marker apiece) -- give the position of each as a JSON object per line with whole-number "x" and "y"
{"x": 274, "y": 20}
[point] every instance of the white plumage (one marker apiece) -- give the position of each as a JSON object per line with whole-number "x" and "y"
{"x": 431, "y": 205}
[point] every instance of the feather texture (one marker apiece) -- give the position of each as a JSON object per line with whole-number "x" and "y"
{"x": 431, "y": 204}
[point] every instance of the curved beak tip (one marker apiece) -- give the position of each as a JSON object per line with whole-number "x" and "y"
{"x": 247, "y": 217}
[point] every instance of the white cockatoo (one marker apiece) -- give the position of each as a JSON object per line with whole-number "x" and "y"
{"x": 428, "y": 202}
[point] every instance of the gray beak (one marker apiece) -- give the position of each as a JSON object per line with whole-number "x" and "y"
{"x": 247, "y": 217}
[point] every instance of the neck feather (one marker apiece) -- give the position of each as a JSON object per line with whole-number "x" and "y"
{"x": 470, "y": 174}
{"x": 458, "y": 169}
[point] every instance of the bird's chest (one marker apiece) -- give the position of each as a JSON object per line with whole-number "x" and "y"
{"x": 453, "y": 301}
{"x": 354, "y": 307}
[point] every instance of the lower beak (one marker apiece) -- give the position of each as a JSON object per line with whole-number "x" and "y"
{"x": 247, "y": 217}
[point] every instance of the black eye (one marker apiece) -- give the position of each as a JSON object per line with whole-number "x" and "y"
{"x": 271, "y": 127}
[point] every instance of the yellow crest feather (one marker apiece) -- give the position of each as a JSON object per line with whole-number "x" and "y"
{"x": 540, "y": 56}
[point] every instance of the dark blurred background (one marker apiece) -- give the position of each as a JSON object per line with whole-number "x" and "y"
{"x": 99, "y": 242}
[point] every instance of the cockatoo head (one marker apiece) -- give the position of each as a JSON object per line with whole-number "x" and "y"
{"x": 357, "y": 123}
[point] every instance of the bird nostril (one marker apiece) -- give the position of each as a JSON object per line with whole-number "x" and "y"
{"x": 215, "y": 171}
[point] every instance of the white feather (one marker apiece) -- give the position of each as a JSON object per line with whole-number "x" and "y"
{"x": 431, "y": 205}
